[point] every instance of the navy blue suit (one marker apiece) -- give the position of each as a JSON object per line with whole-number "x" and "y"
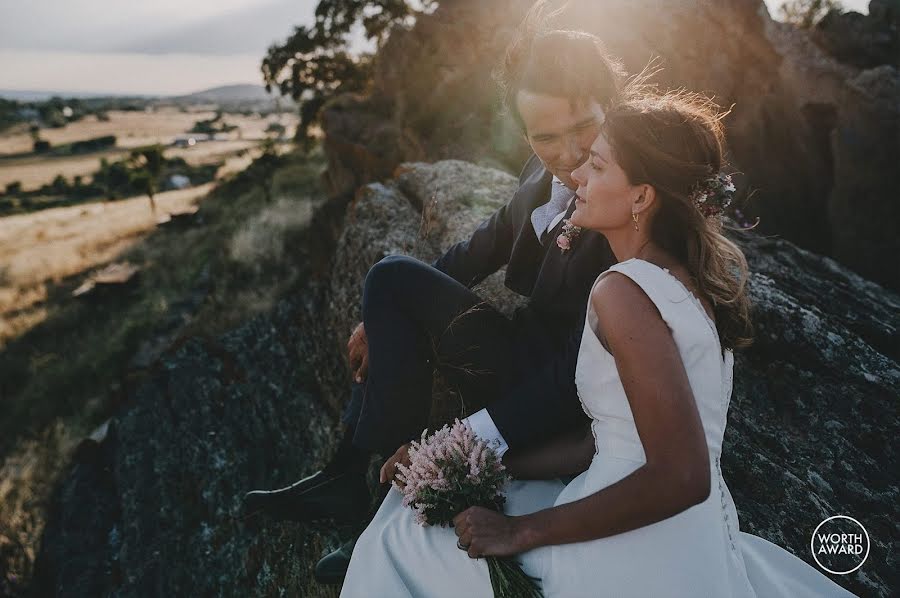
{"x": 420, "y": 317}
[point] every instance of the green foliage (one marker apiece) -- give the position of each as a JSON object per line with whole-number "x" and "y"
{"x": 806, "y": 13}
{"x": 276, "y": 128}
{"x": 60, "y": 185}
{"x": 213, "y": 125}
{"x": 83, "y": 146}
{"x": 144, "y": 171}
{"x": 314, "y": 64}
{"x": 9, "y": 113}
{"x": 53, "y": 112}
{"x": 263, "y": 168}
{"x": 92, "y": 145}
{"x": 113, "y": 177}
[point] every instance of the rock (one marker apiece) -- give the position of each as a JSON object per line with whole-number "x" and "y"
{"x": 362, "y": 145}
{"x": 815, "y": 399}
{"x": 864, "y": 204}
{"x": 795, "y": 119}
{"x": 864, "y": 41}
{"x": 153, "y": 507}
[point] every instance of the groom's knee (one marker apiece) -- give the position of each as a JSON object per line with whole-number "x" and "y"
{"x": 390, "y": 277}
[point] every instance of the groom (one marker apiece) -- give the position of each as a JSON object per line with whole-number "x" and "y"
{"x": 418, "y": 317}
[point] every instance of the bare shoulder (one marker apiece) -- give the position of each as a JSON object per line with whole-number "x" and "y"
{"x": 623, "y": 309}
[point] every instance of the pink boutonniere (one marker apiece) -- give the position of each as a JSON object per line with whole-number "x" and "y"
{"x": 568, "y": 235}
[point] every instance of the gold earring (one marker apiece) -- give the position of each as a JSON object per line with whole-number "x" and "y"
{"x": 634, "y": 217}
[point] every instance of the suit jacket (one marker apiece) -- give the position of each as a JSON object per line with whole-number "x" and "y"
{"x": 543, "y": 401}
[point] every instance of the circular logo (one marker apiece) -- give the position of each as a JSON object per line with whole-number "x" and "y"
{"x": 840, "y": 544}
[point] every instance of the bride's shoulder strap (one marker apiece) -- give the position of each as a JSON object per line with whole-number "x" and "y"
{"x": 663, "y": 289}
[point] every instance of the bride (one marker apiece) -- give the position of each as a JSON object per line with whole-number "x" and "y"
{"x": 651, "y": 515}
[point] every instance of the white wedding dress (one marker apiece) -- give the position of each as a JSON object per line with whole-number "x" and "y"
{"x": 698, "y": 553}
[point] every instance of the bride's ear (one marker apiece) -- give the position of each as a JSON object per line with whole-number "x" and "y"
{"x": 646, "y": 197}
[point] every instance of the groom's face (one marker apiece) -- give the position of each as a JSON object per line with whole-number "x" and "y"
{"x": 559, "y": 131}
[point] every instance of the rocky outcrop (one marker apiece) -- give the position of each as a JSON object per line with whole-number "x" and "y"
{"x": 864, "y": 203}
{"x": 798, "y": 123}
{"x": 362, "y": 145}
{"x": 854, "y": 122}
{"x": 152, "y": 509}
{"x": 864, "y": 41}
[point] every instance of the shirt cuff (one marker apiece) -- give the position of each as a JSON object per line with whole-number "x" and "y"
{"x": 483, "y": 425}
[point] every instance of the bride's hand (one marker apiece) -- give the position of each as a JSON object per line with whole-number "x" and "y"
{"x": 389, "y": 469}
{"x": 488, "y": 533}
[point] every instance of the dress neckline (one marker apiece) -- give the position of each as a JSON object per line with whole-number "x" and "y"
{"x": 696, "y": 301}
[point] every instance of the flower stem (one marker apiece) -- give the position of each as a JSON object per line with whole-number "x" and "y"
{"x": 508, "y": 580}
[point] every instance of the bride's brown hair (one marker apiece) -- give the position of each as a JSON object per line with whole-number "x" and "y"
{"x": 672, "y": 141}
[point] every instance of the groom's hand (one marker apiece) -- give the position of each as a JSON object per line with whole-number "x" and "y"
{"x": 389, "y": 469}
{"x": 358, "y": 352}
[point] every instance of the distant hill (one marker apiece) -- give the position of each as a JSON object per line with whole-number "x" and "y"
{"x": 229, "y": 93}
{"x": 234, "y": 97}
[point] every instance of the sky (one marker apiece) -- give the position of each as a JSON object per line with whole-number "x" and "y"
{"x": 151, "y": 46}
{"x": 140, "y": 47}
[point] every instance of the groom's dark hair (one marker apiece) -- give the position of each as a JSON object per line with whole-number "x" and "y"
{"x": 556, "y": 62}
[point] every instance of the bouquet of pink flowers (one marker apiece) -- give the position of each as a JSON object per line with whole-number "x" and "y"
{"x": 450, "y": 471}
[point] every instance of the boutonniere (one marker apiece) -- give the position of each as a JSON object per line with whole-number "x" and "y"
{"x": 568, "y": 235}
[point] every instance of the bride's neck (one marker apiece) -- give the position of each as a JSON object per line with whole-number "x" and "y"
{"x": 631, "y": 244}
{"x": 628, "y": 244}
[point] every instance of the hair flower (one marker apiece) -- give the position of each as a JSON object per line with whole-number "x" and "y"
{"x": 713, "y": 195}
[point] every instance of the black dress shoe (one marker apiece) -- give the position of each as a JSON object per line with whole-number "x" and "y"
{"x": 274, "y": 501}
{"x": 324, "y": 495}
{"x": 332, "y": 568}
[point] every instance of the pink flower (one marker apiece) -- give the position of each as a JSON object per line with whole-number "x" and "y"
{"x": 563, "y": 242}
{"x": 447, "y": 467}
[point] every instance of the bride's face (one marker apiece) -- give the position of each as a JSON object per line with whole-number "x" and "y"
{"x": 604, "y": 197}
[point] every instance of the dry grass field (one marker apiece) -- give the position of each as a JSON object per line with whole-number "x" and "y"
{"x": 44, "y": 247}
{"x": 132, "y": 129}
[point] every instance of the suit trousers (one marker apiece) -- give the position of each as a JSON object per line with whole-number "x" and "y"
{"x": 418, "y": 319}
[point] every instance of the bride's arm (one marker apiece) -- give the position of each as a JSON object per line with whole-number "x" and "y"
{"x": 676, "y": 474}
{"x": 566, "y": 454}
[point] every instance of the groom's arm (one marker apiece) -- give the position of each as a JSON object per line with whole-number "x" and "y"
{"x": 543, "y": 403}
{"x": 566, "y": 454}
{"x": 485, "y": 252}
{"x": 488, "y": 249}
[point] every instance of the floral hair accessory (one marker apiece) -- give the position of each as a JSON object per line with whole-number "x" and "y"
{"x": 713, "y": 195}
{"x": 568, "y": 235}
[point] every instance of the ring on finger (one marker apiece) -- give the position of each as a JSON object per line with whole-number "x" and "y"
{"x": 460, "y": 545}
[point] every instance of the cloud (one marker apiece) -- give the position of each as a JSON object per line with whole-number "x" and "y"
{"x": 161, "y": 26}
{"x": 251, "y": 30}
